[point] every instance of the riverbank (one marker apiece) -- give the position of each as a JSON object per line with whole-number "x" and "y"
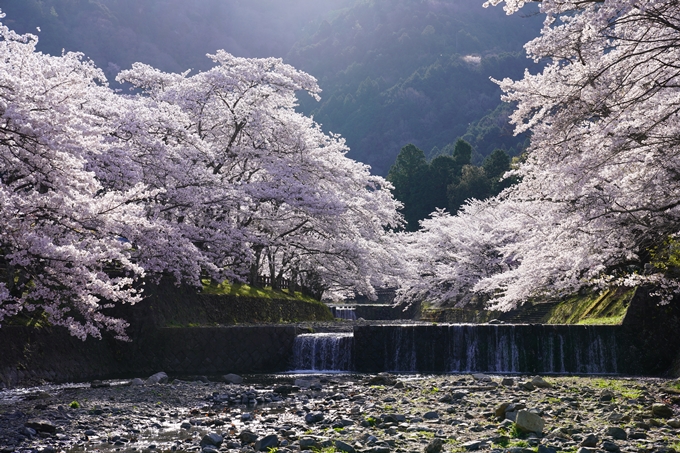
{"x": 369, "y": 413}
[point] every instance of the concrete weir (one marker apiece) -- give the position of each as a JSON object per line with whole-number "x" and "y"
{"x": 647, "y": 343}
{"x": 488, "y": 348}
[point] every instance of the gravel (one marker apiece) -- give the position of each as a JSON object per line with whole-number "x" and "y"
{"x": 447, "y": 413}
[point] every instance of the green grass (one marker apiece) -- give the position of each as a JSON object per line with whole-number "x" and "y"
{"x": 673, "y": 387}
{"x": 243, "y": 290}
{"x": 611, "y": 321}
{"x": 515, "y": 432}
{"x": 615, "y": 385}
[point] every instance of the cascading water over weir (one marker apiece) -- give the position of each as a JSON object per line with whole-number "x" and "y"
{"x": 344, "y": 313}
{"x": 323, "y": 352}
{"x": 463, "y": 348}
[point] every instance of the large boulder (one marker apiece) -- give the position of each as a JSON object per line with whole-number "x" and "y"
{"x": 661, "y": 411}
{"x": 529, "y": 422}
{"x": 212, "y": 439}
{"x": 267, "y": 443}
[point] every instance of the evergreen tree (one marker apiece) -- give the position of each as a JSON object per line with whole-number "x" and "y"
{"x": 443, "y": 172}
{"x": 410, "y": 177}
{"x": 495, "y": 166}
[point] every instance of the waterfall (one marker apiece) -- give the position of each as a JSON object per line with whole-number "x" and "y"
{"x": 323, "y": 352}
{"x": 487, "y": 348}
{"x": 344, "y": 313}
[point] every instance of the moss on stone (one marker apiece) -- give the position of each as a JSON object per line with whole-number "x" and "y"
{"x": 607, "y": 307}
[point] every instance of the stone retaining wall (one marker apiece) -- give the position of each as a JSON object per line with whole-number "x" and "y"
{"x": 32, "y": 355}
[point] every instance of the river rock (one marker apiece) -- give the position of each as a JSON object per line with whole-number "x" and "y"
{"x": 616, "y": 433}
{"x": 42, "y": 426}
{"x": 606, "y": 396}
{"x": 158, "y": 378}
{"x": 435, "y": 446}
{"x": 432, "y": 415}
{"x": 267, "y": 442}
{"x": 541, "y": 383}
{"x": 472, "y": 445}
{"x": 591, "y": 440}
{"x": 529, "y": 422}
{"x": 382, "y": 379}
{"x": 307, "y": 443}
{"x": 342, "y": 446}
{"x": 232, "y": 378}
{"x": 610, "y": 446}
{"x": 247, "y": 437}
{"x": 527, "y": 385}
{"x": 500, "y": 410}
{"x": 508, "y": 382}
{"x": 546, "y": 449}
{"x": 378, "y": 449}
{"x": 284, "y": 389}
{"x": 673, "y": 423}
{"x": 212, "y": 439}
{"x": 137, "y": 381}
{"x": 27, "y": 431}
{"x": 637, "y": 435}
{"x": 661, "y": 411}
{"x": 314, "y": 417}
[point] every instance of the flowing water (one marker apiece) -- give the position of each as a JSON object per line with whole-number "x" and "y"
{"x": 501, "y": 349}
{"x": 344, "y": 313}
{"x": 463, "y": 348}
{"x": 323, "y": 352}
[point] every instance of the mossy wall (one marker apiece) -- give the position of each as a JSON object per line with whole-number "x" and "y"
{"x": 170, "y": 306}
{"x": 607, "y": 307}
{"x": 459, "y": 315}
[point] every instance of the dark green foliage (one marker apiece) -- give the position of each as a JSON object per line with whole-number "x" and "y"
{"x": 444, "y": 171}
{"x": 447, "y": 181}
{"x": 462, "y": 153}
{"x": 409, "y": 174}
{"x": 473, "y": 184}
{"x": 496, "y": 164}
{"x": 425, "y": 88}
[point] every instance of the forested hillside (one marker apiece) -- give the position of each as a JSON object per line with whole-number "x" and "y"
{"x": 409, "y": 71}
{"x": 392, "y": 72}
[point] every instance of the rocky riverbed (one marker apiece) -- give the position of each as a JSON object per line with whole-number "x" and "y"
{"x": 326, "y": 413}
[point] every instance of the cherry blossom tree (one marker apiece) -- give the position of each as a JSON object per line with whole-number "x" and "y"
{"x": 212, "y": 175}
{"x": 599, "y": 190}
{"x": 60, "y": 232}
{"x": 257, "y": 186}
